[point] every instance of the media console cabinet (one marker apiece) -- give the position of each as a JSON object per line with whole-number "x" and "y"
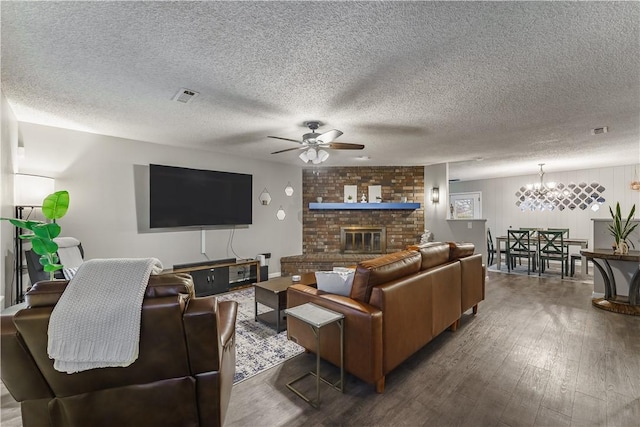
{"x": 216, "y": 277}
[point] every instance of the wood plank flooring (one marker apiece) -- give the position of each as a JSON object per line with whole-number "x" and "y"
{"x": 536, "y": 354}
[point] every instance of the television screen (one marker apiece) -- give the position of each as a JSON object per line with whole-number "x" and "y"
{"x": 182, "y": 197}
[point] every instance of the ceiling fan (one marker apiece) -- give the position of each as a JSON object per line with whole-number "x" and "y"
{"x": 314, "y": 142}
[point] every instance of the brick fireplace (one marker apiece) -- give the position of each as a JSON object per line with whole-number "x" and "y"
{"x": 322, "y": 230}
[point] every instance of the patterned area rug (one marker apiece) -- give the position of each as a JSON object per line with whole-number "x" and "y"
{"x": 258, "y": 347}
{"x": 551, "y": 272}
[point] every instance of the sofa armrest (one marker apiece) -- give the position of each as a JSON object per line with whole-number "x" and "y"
{"x": 227, "y": 313}
{"x": 209, "y": 329}
{"x": 473, "y": 282}
{"x": 362, "y": 332}
{"x": 19, "y": 371}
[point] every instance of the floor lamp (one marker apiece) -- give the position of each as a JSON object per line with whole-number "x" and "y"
{"x": 29, "y": 191}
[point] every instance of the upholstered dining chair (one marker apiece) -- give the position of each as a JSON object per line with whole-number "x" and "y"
{"x": 519, "y": 246}
{"x": 551, "y": 247}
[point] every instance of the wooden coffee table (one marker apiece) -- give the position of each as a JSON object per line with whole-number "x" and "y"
{"x": 273, "y": 294}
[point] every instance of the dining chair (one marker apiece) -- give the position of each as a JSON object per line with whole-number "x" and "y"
{"x": 565, "y": 231}
{"x": 491, "y": 250}
{"x": 551, "y": 247}
{"x": 565, "y": 234}
{"x": 519, "y": 246}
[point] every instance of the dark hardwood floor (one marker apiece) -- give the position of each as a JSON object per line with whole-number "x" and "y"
{"x": 536, "y": 354}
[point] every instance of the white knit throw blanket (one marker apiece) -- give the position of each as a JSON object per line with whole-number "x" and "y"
{"x": 96, "y": 322}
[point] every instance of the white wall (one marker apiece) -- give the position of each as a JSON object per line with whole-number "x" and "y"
{"x": 436, "y": 215}
{"x": 8, "y": 156}
{"x": 501, "y": 212}
{"x": 102, "y": 175}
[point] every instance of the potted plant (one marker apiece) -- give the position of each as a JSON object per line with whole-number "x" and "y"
{"x": 54, "y": 207}
{"x": 349, "y": 198}
{"x": 620, "y": 229}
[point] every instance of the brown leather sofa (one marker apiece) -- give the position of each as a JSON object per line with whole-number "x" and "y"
{"x": 182, "y": 377}
{"x": 398, "y": 303}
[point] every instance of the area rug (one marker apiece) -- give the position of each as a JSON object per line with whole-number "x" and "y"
{"x": 551, "y": 272}
{"x": 258, "y": 347}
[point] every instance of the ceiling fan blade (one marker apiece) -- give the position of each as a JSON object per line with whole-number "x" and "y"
{"x": 289, "y": 149}
{"x": 327, "y": 137}
{"x": 285, "y": 139}
{"x": 345, "y": 146}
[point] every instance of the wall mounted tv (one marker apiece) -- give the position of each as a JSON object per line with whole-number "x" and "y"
{"x": 182, "y": 197}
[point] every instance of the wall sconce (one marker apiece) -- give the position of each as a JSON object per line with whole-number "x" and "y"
{"x": 265, "y": 197}
{"x": 30, "y": 190}
{"x": 288, "y": 190}
{"x": 281, "y": 214}
{"x": 435, "y": 195}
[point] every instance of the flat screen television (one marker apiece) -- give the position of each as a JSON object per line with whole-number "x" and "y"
{"x": 182, "y": 197}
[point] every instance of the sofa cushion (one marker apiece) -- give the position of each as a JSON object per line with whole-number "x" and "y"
{"x": 383, "y": 269}
{"x": 459, "y": 250}
{"x": 432, "y": 253}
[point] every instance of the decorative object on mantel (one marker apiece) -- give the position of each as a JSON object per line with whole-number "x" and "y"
{"x": 541, "y": 196}
{"x": 620, "y": 230}
{"x": 350, "y": 193}
{"x": 281, "y": 214}
{"x": 265, "y": 197}
{"x": 319, "y": 199}
{"x": 375, "y": 193}
{"x": 288, "y": 190}
{"x": 363, "y": 199}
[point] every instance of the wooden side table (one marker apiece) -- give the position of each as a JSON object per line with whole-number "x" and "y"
{"x": 317, "y": 317}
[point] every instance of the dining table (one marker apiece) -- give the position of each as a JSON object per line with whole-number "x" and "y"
{"x": 568, "y": 241}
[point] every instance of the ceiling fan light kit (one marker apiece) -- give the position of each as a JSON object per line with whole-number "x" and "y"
{"x": 314, "y": 144}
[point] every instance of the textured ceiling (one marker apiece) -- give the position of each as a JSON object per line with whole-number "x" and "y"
{"x": 513, "y": 83}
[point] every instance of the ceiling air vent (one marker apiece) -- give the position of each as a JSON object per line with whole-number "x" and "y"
{"x": 185, "y": 95}
{"x": 598, "y": 131}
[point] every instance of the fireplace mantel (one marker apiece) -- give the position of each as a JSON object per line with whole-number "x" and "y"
{"x": 370, "y": 206}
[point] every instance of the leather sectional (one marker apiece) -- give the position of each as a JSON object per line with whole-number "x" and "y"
{"x": 398, "y": 303}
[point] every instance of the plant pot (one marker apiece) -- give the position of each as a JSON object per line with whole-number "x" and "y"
{"x": 622, "y": 248}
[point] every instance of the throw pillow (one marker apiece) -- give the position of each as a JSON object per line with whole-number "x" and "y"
{"x": 335, "y": 282}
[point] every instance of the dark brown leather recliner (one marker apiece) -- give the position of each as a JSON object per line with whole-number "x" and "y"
{"x": 182, "y": 377}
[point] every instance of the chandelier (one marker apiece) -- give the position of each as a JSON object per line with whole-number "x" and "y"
{"x": 314, "y": 155}
{"x": 540, "y": 189}
{"x": 556, "y": 195}
{"x": 540, "y": 195}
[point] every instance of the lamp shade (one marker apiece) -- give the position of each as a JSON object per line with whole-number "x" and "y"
{"x": 312, "y": 154}
{"x": 435, "y": 194}
{"x": 30, "y": 190}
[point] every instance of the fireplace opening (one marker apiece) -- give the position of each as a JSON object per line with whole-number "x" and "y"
{"x": 363, "y": 240}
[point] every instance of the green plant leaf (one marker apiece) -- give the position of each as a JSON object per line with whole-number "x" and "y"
{"x": 44, "y": 260}
{"x": 52, "y": 267}
{"x": 55, "y": 205}
{"x": 47, "y": 231}
{"x": 44, "y": 246}
{"x": 23, "y": 224}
